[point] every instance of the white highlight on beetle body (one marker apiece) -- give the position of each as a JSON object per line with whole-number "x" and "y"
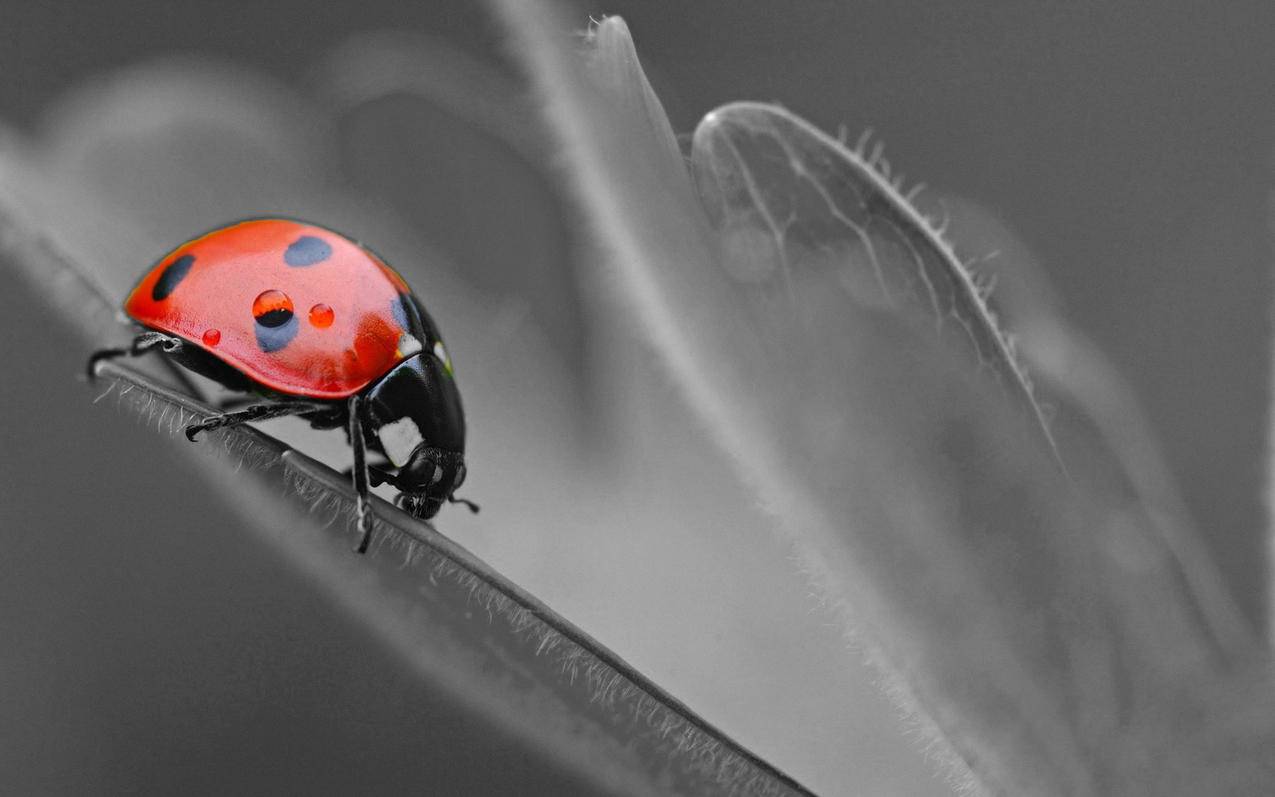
{"x": 400, "y": 439}
{"x": 408, "y": 345}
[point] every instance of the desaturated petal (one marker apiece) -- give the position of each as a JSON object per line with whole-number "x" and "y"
{"x": 186, "y": 105}
{"x": 374, "y": 65}
{"x": 1097, "y": 418}
{"x": 452, "y": 143}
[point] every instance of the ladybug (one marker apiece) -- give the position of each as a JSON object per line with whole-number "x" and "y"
{"x": 307, "y": 322}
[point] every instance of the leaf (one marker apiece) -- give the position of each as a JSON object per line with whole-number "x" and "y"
{"x": 787, "y": 199}
{"x": 824, "y": 334}
{"x": 466, "y": 628}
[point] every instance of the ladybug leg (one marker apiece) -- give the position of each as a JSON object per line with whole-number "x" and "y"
{"x": 377, "y": 474}
{"x": 360, "y": 476}
{"x": 245, "y": 402}
{"x": 143, "y": 343}
{"x": 332, "y": 419}
{"x": 257, "y": 412}
{"x": 236, "y": 402}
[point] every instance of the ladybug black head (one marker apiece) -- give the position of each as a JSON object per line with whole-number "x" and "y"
{"x": 415, "y": 418}
{"x": 429, "y": 480}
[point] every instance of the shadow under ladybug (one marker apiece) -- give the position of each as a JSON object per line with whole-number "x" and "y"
{"x": 222, "y": 306}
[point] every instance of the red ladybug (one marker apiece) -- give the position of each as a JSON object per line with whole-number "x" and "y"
{"x": 314, "y": 325}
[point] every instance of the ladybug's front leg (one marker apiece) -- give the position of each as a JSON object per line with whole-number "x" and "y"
{"x": 360, "y": 476}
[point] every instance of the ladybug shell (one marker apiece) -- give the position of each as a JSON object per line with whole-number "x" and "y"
{"x": 296, "y": 307}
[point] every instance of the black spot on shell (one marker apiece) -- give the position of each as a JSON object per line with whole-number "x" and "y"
{"x": 273, "y": 338}
{"x": 306, "y": 251}
{"x": 275, "y": 318}
{"x": 174, "y": 273}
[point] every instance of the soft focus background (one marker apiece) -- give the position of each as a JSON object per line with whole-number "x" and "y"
{"x": 1129, "y": 150}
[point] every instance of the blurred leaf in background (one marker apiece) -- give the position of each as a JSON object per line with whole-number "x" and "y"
{"x": 1060, "y": 633}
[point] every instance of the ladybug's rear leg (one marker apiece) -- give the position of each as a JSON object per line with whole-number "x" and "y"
{"x": 146, "y": 342}
{"x": 257, "y": 412}
{"x": 231, "y": 403}
{"x": 143, "y": 343}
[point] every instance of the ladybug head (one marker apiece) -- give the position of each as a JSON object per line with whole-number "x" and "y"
{"x": 429, "y": 479}
{"x": 414, "y": 417}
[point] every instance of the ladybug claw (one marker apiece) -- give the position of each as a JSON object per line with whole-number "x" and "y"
{"x": 98, "y": 356}
{"x": 365, "y": 528}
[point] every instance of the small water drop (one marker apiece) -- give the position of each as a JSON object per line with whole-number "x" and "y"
{"x": 321, "y": 315}
{"x": 212, "y": 337}
{"x": 272, "y": 308}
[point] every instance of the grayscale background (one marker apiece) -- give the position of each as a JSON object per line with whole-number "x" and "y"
{"x": 1129, "y": 146}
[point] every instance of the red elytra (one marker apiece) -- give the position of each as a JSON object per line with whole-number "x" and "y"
{"x": 296, "y": 307}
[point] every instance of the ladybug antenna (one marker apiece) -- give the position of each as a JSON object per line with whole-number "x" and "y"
{"x": 472, "y": 506}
